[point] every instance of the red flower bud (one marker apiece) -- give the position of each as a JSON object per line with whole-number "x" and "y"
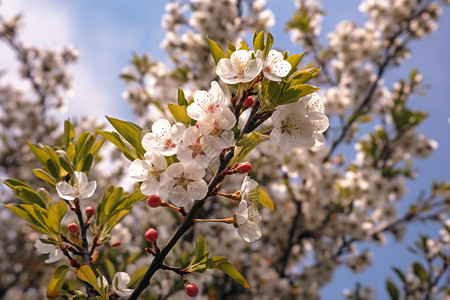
{"x": 249, "y": 102}
{"x": 73, "y": 228}
{"x": 244, "y": 167}
{"x": 191, "y": 289}
{"x": 154, "y": 201}
{"x": 151, "y": 235}
{"x": 89, "y": 211}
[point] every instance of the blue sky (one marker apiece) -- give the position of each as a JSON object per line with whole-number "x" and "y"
{"x": 108, "y": 32}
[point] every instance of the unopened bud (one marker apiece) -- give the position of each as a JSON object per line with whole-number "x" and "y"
{"x": 249, "y": 102}
{"x": 154, "y": 201}
{"x": 151, "y": 235}
{"x": 191, "y": 289}
{"x": 89, "y": 211}
{"x": 73, "y": 228}
{"x": 244, "y": 167}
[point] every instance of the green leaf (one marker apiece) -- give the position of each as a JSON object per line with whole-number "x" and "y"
{"x": 269, "y": 94}
{"x": 216, "y": 51}
{"x": 263, "y": 198}
{"x": 24, "y": 192}
{"x": 269, "y": 43}
{"x": 200, "y": 250}
{"x": 56, "y": 282}
{"x": 419, "y": 271}
{"x": 128, "y": 151}
{"x": 55, "y": 214}
{"x": 400, "y": 274}
{"x": 294, "y": 60}
{"x": 303, "y": 76}
{"x": 53, "y": 169}
{"x": 40, "y": 154}
{"x": 137, "y": 276}
{"x": 294, "y": 93}
{"x": 130, "y": 132}
{"x": 65, "y": 162}
{"x": 231, "y": 47}
{"x": 231, "y": 271}
{"x": 41, "y": 174}
{"x": 113, "y": 200}
{"x": 181, "y": 98}
{"x": 246, "y": 144}
{"x": 45, "y": 195}
{"x": 87, "y": 163}
{"x": 81, "y": 140}
{"x": 258, "y": 41}
{"x": 86, "y": 274}
{"x": 392, "y": 289}
{"x": 179, "y": 113}
{"x": 69, "y": 133}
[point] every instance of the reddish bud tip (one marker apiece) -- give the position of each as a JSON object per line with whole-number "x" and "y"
{"x": 154, "y": 201}
{"x": 191, "y": 289}
{"x": 73, "y": 228}
{"x": 244, "y": 167}
{"x": 89, "y": 211}
{"x": 249, "y": 102}
{"x": 151, "y": 235}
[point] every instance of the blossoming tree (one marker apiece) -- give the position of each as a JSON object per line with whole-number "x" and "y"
{"x": 239, "y": 167}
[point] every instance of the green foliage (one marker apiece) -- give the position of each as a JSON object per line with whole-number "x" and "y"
{"x": 56, "y": 282}
{"x": 86, "y": 274}
{"x": 392, "y": 290}
{"x": 113, "y": 207}
{"x": 246, "y": 144}
{"x": 40, "y": 219}
{"x": 201, "y": 262}
{"x": 179, "y": 113}
{"x": 216, "y": 51}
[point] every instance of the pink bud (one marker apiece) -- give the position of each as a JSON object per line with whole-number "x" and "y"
{"x": 191, "y": 289}
{"x": 154, "y": 201}
{"x": 244, "y": 167}
{"x": 249, "y": 102}
{"x": 73, "y": 228}
{"x": 151, "y": 235}
{"x": 89, "y": 211}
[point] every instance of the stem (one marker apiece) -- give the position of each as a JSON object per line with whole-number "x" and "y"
{"x": 228, "y": 220}
{"x": 87, "y": 258}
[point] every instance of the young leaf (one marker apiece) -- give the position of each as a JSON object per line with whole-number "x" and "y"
{"x": 392, "y": 289}
{"x": 55, "y": 214}
{"x": 86, "y": 274}
{"x": 293, "y": 94}
{"x": 269, "y": 43}
{"x": 246, "y": 144}
{"x": 264, "y": 199}
{"x": 231, "y": 271}
{"x": 294, "y": 60}
{"x": 179, "y": 113}
{"x": 137, "y": 276}
{"x": 216, "y": 51}
{"x": 56, "y": 282}
{"x": 69, "y": 133}
{"x": 258, "y": 41}
{"x": 130, "y": 132}
{"x": 128, "y": 151}
{"x": 41, "y": 174}
{"x": 181, "y": 98}
{"x": 200, "y": 250}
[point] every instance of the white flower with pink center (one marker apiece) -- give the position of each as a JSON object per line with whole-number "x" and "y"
{"x": 206, "y": 102}
{"x": 150, "y": 171}
{"x": 218, "y": 125}
{"x": 274, "y": 66}
{"x": 184, "y": 185}
{"x": 240, "y": 67}
{"x": 197, "y": 149}
{"x": 164, "y": 137}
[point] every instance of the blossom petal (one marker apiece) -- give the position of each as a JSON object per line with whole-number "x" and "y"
{"x": 65, "y": 190}
{"x": 197, "y": 189}
{"x": 54, "y": 256}
{"x": 88, "y": 190}
{"x": 150, "y": 186}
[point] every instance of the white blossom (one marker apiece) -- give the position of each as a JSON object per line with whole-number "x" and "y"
{"x": 80, "y": 189}
{"x": 274, "y": 66}
{"x": 206, "y": 102}
{"x": 164, "y": 137}
{"x": 240, "y": 67}
{"x": 196, "y": 149}
{"x": 248, "y": 219}
{"x": 119, "y": 284}
{"x": 54, "y": 253}
{"x": 184, "y": 185}
{"x": 218, "y": 125}
{"x": 150, "y": 171}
